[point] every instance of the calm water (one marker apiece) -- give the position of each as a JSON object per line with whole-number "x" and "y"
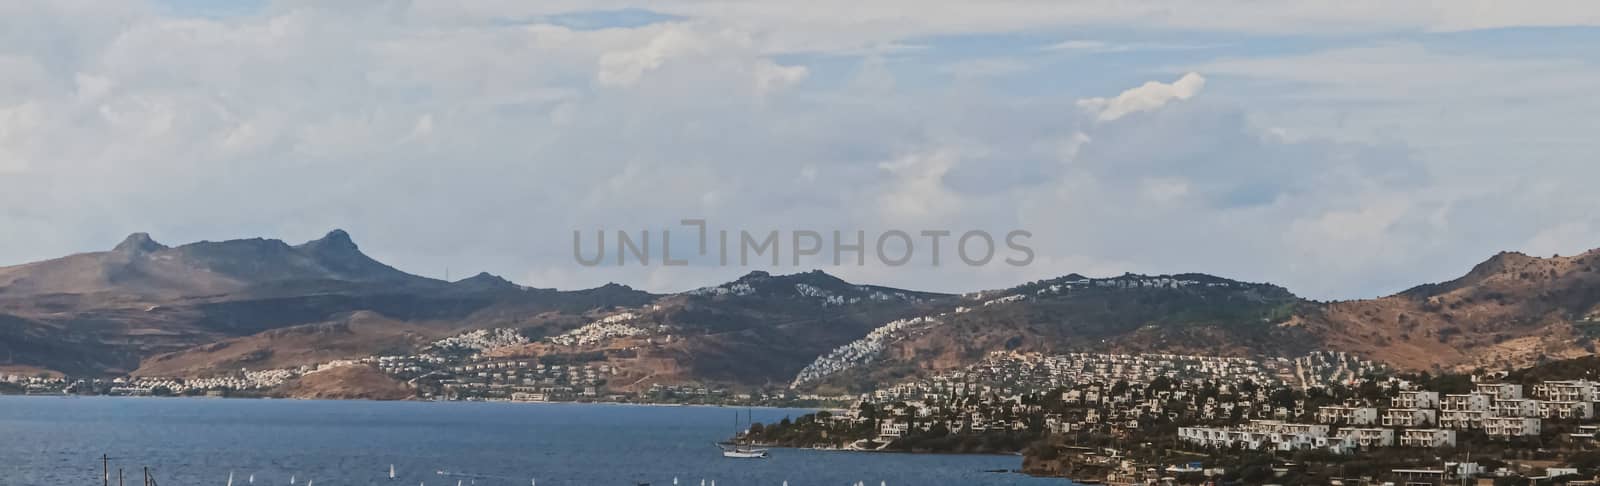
{"x": 58, "y": 442}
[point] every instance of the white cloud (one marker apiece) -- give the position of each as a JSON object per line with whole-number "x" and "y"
{"x": 477, "y": 136}
{"x": 1164, "y": 190}
{"x": 1101, "y": 47}
{"x": 840, "y": 25}
{"x": 984, "y": 68}
{"x": 1147, "y": 97}
{"x": 625, "y": 67}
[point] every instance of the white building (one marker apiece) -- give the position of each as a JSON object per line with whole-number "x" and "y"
{"x": 1467, "y": 403}
{"x": 1565, "y": 391}
{"x": 1511, "y": 426}
{"x": 1341, "y": 415}
{"x": 1369, "y": 437}
{"x": 1409, "y": 417}
{"x": 1515, "y": 408}
{"x": 1462, "y": 419}
{"x": 1428, "y": 438}
{"x": 1415, "y": 400}
{"x": 1566, "y": 410}
{"x": 1499, "y": 391}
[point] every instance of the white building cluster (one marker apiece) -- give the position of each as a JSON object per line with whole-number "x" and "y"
{"x": 482, "y": 340}
{"x": 610, "y": 327}
{"x": 861, "y": 351}
{"x": 1497, "y": 409}
{"x": 1007, "y": 373}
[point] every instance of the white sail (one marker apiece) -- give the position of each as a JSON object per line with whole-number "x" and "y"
{"x": 230, "y": 478}
{"x": 291, "y": 479}
{"x": 391, "y": 471}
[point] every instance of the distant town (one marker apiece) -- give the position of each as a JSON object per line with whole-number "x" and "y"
{"x": 1327, "y": 418}
{"x": 453, "y": 369}
{"x": 1094, "y": 417}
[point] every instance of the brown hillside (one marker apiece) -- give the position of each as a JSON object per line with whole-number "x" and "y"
{"x": 1511, "y": 310}
{"x": 347, "y": 383}
{"x": 357, "y": 335}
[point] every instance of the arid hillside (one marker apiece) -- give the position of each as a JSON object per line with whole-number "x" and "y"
{"x": 1510, "y": 311}
{"x": 214, "y": 308}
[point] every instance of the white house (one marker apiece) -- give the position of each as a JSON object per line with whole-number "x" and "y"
{"x": 1342, "y": 415}
{"x": 1566, "y": 410}
{"x": 1511, "y": 426}
{"x": 1409, "y": 417}
{"x": 1369, "y": 437}
{"x": 1499, "y": 391}
{"x": 1415, "y": 399}
{"x": 1428, "y": 438}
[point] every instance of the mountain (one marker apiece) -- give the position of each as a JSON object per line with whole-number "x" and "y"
{"x": 208, "y": 308}
{"x": 106, "y": 312}
{"x": 1510, "y": 311}
{"x": 1189, "y": 313}
{"x": 757, "y": 330}
{"x": 139, "y": 267}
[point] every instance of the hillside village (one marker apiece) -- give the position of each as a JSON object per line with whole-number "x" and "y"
{"x": 1137, "y": 418}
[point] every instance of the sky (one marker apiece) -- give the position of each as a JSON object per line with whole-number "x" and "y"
{"x": 1344, "y": 149}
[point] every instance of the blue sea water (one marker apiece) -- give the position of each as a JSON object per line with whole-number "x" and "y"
{"x": 53, "y": 441}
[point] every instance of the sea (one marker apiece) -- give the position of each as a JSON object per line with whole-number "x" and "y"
{"x": 59, "y": 441}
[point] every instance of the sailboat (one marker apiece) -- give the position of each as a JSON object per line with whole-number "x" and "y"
{"x": 391, "y": 472}
{"x": 742, "y": 451}
{"x": 230, "y": 478}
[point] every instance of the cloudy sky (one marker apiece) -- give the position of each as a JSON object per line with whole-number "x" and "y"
{"x": 1344, "y": 148}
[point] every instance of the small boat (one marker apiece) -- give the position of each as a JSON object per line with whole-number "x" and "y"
{"x": 391, "y": 472}
{"x": 741, "y": 451}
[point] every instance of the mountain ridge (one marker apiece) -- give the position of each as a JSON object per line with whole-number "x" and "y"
{"x": 211, "y": 307}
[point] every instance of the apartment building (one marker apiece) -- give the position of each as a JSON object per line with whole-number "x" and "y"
{"x": 1565, "y": 391}
{"x": 1428, "y": 438}
{"x": 1472, "y": 402}
{"x": 1462, "y": 419}
{"x": 1368, "y": 437}
{"x": 1343, "y": 415}
{"x": 1499, "y": 391}
{"x": 1521, "y": 407}
{"x": 1565, "y": 410}
{"x": 1409, "y": 417}
{"x": 1415, "y": 400}
{"x": 1506, "y": 427}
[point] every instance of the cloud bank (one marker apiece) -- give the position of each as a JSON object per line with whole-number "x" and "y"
{"x": 478, "y": 137}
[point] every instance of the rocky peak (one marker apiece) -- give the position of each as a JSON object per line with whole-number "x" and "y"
{"x": 337, "y": 239}
{"x": 487, "y": 280}
{"x": 138, "y": 243}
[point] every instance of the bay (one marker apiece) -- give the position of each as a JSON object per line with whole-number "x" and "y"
{"x": 55, "y": 441}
